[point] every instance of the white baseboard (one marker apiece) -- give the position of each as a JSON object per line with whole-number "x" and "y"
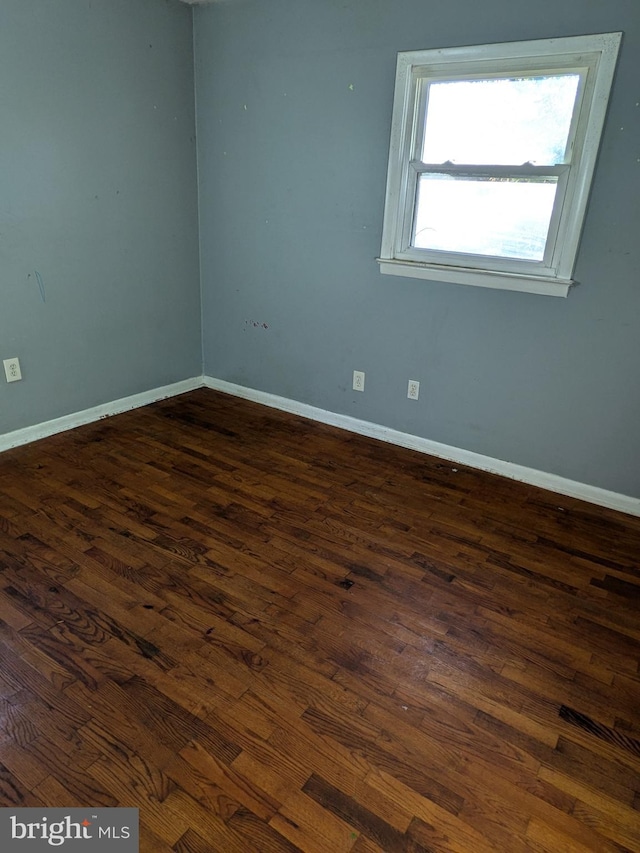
{"x": 43, "y": 430}
{"x": 571, "y": 488}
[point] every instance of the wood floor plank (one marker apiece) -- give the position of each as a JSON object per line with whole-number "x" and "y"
{"x": 312, "y": 827}
{"x": 227, "y": 778}
{"x": 268, "y": 634}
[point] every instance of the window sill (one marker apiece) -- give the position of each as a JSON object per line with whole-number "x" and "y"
{"x": 544, "y": 285}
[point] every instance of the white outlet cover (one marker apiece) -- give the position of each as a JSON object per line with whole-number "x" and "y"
{"x": 12, "y": 369}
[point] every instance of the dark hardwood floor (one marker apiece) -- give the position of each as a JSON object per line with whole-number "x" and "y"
{"x": 270, "y": 635}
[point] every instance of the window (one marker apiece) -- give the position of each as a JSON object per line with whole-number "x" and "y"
{"x": 491, "y": 158}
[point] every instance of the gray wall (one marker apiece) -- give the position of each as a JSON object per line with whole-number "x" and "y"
{"x": 294, "y": 105}
{"x": 98, "y": 196}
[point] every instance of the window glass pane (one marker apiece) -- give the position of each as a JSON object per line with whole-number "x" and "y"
{"x": 506, "y": 218}
{"x": 501, "y": 121}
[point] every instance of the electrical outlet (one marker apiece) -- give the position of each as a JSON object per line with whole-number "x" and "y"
{"x": 358, "y": 380}
{"x": 12, "y": 369}
{"x": 413, "y": 390}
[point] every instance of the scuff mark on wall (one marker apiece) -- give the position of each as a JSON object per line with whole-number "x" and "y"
{"x": 43, "y": 295}
{"x": 41, "y": 286}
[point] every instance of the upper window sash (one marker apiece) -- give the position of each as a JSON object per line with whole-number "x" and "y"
{"x": 423, "y": 81}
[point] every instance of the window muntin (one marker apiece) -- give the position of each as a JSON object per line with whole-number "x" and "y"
{"x": 492, "y": 153}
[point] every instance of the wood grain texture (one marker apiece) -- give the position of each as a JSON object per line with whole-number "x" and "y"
{"x": 270, "y": 635}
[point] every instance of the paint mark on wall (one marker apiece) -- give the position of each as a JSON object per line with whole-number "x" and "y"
{"x": 256, "y": 324}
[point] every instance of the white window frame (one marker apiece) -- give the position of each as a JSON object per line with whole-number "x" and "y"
{"x": 594, "y": 57}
